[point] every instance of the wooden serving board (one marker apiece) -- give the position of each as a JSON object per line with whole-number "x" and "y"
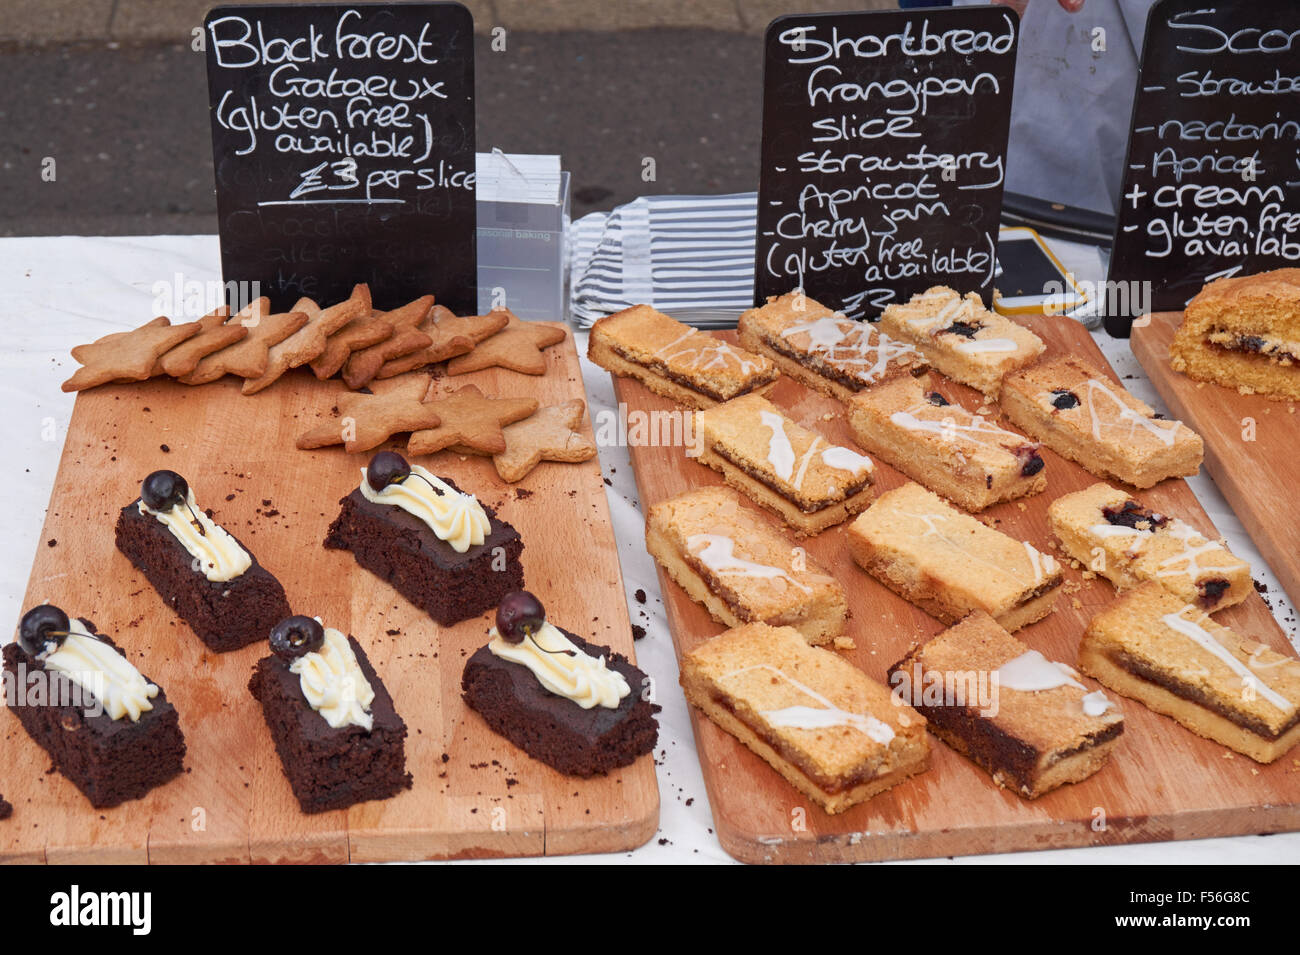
{"x": 1250, "y": 447}
{"x": 475, "y": 794}
{"x": 1162, "y": 782}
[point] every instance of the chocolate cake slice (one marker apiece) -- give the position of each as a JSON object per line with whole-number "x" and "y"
{"x": 400, "y": 548}
{"x": 224, "y": 614}
{"x": 330, "y": 767}
{"x": 110, "y": 760}
{"x": 553, "y": 728}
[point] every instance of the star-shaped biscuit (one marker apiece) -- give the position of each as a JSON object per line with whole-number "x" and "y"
{"x": 214, "y": 335}
{"x": 548, "y": 435}
{"x": 127, "y": 356}
{"x": 452, "y": 335}
{"x": 366, "y": 421}
{"x": 363, "y": 365}
{"x": 309, "y": 341}
{"x": 518, "y": 347}
{"x": 471, "y": 422}
{"x": 247, "y": 358}
{"x": 360, "y": 333}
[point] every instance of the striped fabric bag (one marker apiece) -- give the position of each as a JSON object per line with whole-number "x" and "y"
{"x": 689, "y": 256}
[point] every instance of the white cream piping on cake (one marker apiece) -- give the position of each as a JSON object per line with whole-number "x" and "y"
{"x": 454, "y": 516}
{"x": 83, "y": 657}
{"x": 812, "y": 718}
{"x": 333, "y": 684}
{"x": 220, "y": 557}
{"x": 562, "y": 668}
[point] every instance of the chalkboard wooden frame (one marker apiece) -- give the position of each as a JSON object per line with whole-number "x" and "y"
{"x": 1140, "y": 230}
{"x": 957, "y": 233}
{"x": 380, "y": 190}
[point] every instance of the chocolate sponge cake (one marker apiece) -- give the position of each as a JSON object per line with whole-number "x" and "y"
{"x": 110, "y": 758}
{"x": 329, "y": 766}
{"x": 403, "y": 547}
{"x": 226, "y": 613}
{"x": 578, "y": 735}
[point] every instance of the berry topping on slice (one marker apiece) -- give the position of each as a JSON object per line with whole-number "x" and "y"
{"x": 1212, "y": 590}
{"x": 1063, "y": 399}
{"x": 519, "y": 615}
{"x": 387, "y": 467}
{"x": 1031, "y": 462}
{"x": 163, "y": 490}
{"x": 964, "y": 329}
{"x": 296, "y": 636}
{"x": 42, "y": 625}
{"x": 938, "y": 400}
{"x": 1134, "y": 515}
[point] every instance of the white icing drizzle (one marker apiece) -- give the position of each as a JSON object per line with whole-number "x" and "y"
{"x": 846, "y": 345}
{"x": 987, "y": 345}
{"x": 977, "y": 430}
{"x": 1195, "y": 546}
{"x": 1039, "y": 563}
{"x": 1096, "y": 703}
{"x": 1164, "y": 431}
{"x": 1206, "y": 641}
{"x": 718, "y": 555}
{"x": 705, "y": 353}
{"x": 780, "y": 453}
{"x": 1031, "y": 672}
{"x": 220, "y": 557}
{"x": 805, "y": 460}
{"x": 953, "y": 304}
{"x": 101, "y": 671}
{"x": 1116, "y": 530}
{"x": 844, "y": 459}
{"x": 826, "y": 716}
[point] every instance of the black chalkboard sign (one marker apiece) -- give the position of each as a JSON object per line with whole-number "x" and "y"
{"x": 1212, "y": 178}
{"x": 343, "y": 145}
{"x": 884, "y": 154}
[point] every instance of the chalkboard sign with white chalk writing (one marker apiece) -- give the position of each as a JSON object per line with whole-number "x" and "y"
{"x": 884, "y": 154}
{"x": 1212, "y": 177}
{"x": 343, "y": 145}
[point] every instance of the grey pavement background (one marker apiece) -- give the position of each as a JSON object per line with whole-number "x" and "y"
{"x": 112, "y": 92}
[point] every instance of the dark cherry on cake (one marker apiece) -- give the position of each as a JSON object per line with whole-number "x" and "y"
{"x": 106, "y": 727}
{"x": 338, "y": 735}
{"x": 212, "y": 581}
{"x": 437, "y": 545}
{"x": 574, "y": 705}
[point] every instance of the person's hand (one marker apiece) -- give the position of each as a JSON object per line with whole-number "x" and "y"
{"x": 1069, "y": 6}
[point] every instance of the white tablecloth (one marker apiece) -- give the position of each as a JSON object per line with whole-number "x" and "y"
{"x": 58, "y": 292}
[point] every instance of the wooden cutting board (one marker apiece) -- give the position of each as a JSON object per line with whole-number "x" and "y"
{"x": 1162, "y": 782}
{"x": 1250, "y": 447}
{"x": 475, "y": 794}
